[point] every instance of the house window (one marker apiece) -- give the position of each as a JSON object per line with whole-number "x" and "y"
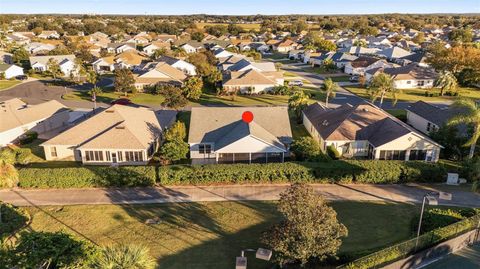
{"x": 419, "y": 155}
{"x": 107, "y": 155}
{"x": 409, "y": 82}
{"x": 420, "y": 83}
{"x": 53, "y": 151}
{"x": 93, "y": 156}
{"x": 392, "y": 155}
{"x": 205, "y": 148}
{"x": 120, "y": 156}
{"x": 134, "y": 156}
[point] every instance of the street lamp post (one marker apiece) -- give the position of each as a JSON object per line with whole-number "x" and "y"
{"x": 429, "y": 197}
{"x": 261, "y": 253}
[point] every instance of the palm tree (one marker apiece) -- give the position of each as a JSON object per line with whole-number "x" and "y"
{"x": 469, "y": 114}
{"x": 382, "y": 85}
{"x": 447, "y": 82}
{"x": 297, "y": 102}
{"x": 330, "y": 89}
{"x": 125, "y": 257}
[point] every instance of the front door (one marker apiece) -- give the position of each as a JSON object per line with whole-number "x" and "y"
{"x": 114, "y": 157}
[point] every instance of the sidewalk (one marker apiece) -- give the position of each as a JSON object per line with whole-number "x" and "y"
{"x": 150, "y": 195}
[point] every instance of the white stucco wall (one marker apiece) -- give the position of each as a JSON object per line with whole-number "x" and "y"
{"x": 419, "y": 123}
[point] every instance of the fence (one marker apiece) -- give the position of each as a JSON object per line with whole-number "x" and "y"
{"x": 403, "y": 250}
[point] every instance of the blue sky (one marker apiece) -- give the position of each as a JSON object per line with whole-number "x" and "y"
{"x": 239, "y": 7}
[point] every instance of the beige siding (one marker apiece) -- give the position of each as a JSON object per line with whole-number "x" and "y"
{"x": 419, "y": 123}
{"x": 410, "y": 142}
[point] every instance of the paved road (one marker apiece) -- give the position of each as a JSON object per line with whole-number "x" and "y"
{"x": 467, "y": 258}
{"x": 357, "y": 192}
{"x": 343, "y": 96}
{"x": 35, "y": 92}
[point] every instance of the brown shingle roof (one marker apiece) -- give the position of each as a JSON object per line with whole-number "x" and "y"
{"x": 117, "y": 127}
{"x": 13, "y": 113}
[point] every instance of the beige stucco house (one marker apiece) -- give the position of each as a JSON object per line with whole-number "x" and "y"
{"x": 16, "y": 118}
{"x": 366, "y": 131}
{"x": 221, "y": 135}
{"x": 123, "y": 135}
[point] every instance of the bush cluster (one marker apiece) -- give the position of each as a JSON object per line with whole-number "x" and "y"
{"x": 86, "y": 176}
{"x": 435, "y": 218}
{"x": 350, "y": 171}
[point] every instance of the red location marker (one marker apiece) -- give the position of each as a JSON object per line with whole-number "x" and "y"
{"x": 247, "y": 116}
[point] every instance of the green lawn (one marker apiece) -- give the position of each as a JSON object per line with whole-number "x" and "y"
{"x": 341, "y": 78}
{"x": 319, "y": 70}
{"x": 419, "y": 94}
{"x": 107, "y": 97}
{"x": 5, "y": 84}
{"x": 400, "y": 114}
{"x": 211, "y": 234}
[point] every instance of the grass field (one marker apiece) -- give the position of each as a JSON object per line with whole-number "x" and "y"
{"x": 210, "y": 235}
{"x": 246, "y": 26}
{"x": 107, "y": 97}
{"x": 341, "y": 78}
{"x": 5, "y": 84}
{"x": 419, "y": 94}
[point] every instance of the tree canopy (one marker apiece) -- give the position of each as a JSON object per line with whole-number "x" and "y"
{"x": 309, "y": 228}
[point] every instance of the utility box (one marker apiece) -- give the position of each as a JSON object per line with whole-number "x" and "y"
{"x": 241, "y": 263}
{"x": 452, "y": 179}
{"x": 263, "y": 254}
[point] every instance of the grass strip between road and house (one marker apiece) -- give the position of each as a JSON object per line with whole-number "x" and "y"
{"x": 211, "y": 234}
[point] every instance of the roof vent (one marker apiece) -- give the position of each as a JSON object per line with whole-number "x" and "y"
{"x": 109, "y": 111}
{"x": 325, "y": 123}
{"x": 365, "y": 109}
{"x": 120, "y": 127}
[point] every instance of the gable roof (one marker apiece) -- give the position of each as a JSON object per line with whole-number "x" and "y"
{"x": 364, "y": 61}
{"x": 117, "y": 127}
{"x": 411, "y": 71}
{"x": 360, "y": 122}
{"x": 434, "y": 114}
{"x": 15, "y": 113}
{"x": 223, "y": 125}
{"x": 248, "y": 77}
{"x": 394, "y": 52}
{"x": 43, "y": 60}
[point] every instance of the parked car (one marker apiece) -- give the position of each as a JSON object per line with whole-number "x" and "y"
{"x": 354, "y": 78}
{"x": 121, "y": 101}
{"x": 21, "y": 77}
{"x": 295, "y": 83}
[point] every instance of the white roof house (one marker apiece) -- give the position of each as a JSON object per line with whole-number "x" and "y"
{"x": 239, "y": 134}
{"x": 10, "y": 70}
{"x": 117, "y": 135}
{"x": 66, "y": 63}
{"x": 17, "y": 118}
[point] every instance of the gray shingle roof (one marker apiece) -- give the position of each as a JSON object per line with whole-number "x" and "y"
{"x": 360, "y": 122}
{"x": 223, "y": 125}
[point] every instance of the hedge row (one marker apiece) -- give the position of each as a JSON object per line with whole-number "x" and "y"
{"x": 320, "y": 172}
{"x": 86, "y": 176}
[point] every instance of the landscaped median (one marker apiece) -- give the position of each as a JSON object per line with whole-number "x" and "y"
{"x": 405, "y": 249}
{"x": 348, "y": 171}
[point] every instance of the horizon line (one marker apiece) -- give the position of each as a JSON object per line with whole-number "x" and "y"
{"x": 258, "y": 14}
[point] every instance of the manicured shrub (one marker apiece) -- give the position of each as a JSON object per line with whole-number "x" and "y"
{"x": 435, "y": 218}
{"x": 333, "y": 153}
{"x": 340, "y": 171}
{"x": 28, "y": 137}
{"x": 86, "y": 176}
